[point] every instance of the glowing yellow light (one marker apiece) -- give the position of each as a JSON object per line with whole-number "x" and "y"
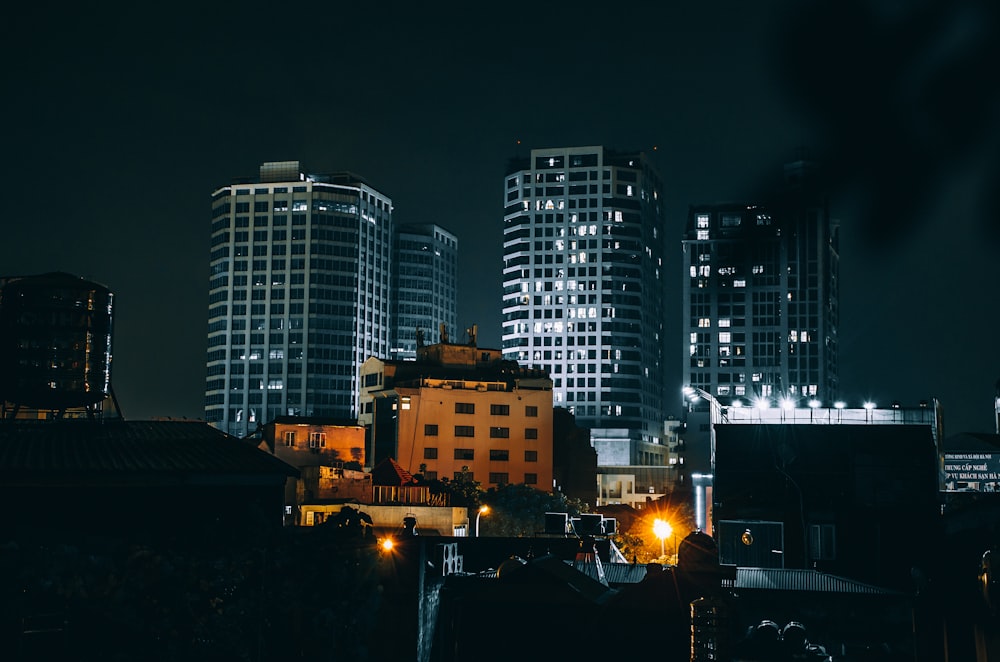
{"x": 662, "y": 529}
{"x": 387, "y": 544}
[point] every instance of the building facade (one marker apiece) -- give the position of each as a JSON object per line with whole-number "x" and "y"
{"x": 460, "y": 410}
{"x": 299, "y": 295}
{"x": 761, "y": 296}
{"x": 853, "y": 491}
{"x": 425, "y": 277}
{"x": 583, "y": 286}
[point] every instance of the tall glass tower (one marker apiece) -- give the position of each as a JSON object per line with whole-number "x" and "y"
{"x": 583, "y": 286}
{"x": 761, "y": 296}
{"x": 299, "y": 295}
{"x": 425, "y": 276}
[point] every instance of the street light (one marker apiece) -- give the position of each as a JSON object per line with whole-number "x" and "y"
{"x": 717, "y": 415}
{"x": 482, "y": 511}
{"x": 662, "y": 530}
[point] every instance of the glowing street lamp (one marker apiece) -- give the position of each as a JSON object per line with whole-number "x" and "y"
{"x": 662, "y": 530}
{"x": 482, "y": 511}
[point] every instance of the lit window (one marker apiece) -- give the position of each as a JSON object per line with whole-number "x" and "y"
{"x": 703, "y": 235}
{"x": 702, "y": 220}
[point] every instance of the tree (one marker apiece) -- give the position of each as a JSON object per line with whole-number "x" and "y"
{"x": 519, "y": 510}
{"x": 462, "y": 491}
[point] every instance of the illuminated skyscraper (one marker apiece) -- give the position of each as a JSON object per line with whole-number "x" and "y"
{"x": 583, "y": 286}
{"x": 299, "y": 295}
{"x": 425, "y": 276}
{"x": 761, "y": 296}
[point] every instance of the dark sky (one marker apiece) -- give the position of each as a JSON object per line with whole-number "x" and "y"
{"x": 119, "y": 122}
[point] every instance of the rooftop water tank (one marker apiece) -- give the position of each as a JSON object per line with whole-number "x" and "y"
{"x": 55, "y": 341}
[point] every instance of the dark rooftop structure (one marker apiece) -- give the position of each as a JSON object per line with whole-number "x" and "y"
{"x": 147, "y": 477}
{"x": 858, "y": 501}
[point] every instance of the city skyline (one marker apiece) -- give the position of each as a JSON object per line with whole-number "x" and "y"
{"x": 119, "y": 125}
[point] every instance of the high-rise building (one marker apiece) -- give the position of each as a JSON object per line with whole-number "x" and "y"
{"x": 425, "y": 276}
{"x": 299, "y": 295}
{"x": 583, "y": 290}
{"x": 761, "y": 295}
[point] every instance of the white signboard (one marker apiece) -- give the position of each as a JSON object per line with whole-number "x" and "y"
{"x": 972, "y": 472}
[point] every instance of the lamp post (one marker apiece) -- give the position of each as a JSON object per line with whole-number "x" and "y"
{"x": 702, "y": 481}
{"x": 662, "y": 530}
{"x": 482, "y": 511}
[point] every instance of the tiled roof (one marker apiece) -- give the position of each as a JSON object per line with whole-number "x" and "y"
{"x": 777, "y": 579}
{"x": 389, "y": 472}
{"x": 34, "y": 451}
{"x": 315, "y": 420}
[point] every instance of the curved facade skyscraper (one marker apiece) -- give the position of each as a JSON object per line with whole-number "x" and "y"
{"x": 583, "y": 285}
{"x": 299, "y": 295}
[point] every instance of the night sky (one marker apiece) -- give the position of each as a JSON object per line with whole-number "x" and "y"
{"x": 121, "y": 119}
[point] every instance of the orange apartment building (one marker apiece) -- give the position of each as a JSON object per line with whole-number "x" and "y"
{"x": 319, "y": 448}
{"x": 460, "y": 408}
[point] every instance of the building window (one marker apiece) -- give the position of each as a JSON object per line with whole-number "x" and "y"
{"x": 464, "y": 475}
{"x": 465, "y": 454}
{"x": 465, "y": 431}
{"x": 317, "y": 440}
{"x": 431, "y": 475}
{"x": 430, "y": 430}
{"x": 500, "y": 455}
{"x": 499, "y": 433}
{"x": 531, "y": 456}
{"x": 531, "y": 433}
{"x": 823, "y": 542}
{"x": 531, "y": 479}
{"x": 465, "y": 408}
{"x": 500, "y": 410}
{"x": 500, "y": 478}
{"x": 430, "y": 453}
{"x": 530, "y": 410}
{"x": 290, "y": 438}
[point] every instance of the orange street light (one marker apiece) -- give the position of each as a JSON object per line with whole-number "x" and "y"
{"x": 662, "y": 530}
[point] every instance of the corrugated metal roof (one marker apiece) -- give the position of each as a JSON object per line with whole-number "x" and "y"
{"x": 778, "y": 579}
{"x": 33, "y": 451}
{"x": 614, "y": 573}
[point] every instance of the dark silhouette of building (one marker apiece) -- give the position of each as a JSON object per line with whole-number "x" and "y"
{"x": 859, "y": 501}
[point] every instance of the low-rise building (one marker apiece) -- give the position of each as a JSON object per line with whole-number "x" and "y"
{"x": 329, "y": 454}
{"x": 460, "y": 410}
